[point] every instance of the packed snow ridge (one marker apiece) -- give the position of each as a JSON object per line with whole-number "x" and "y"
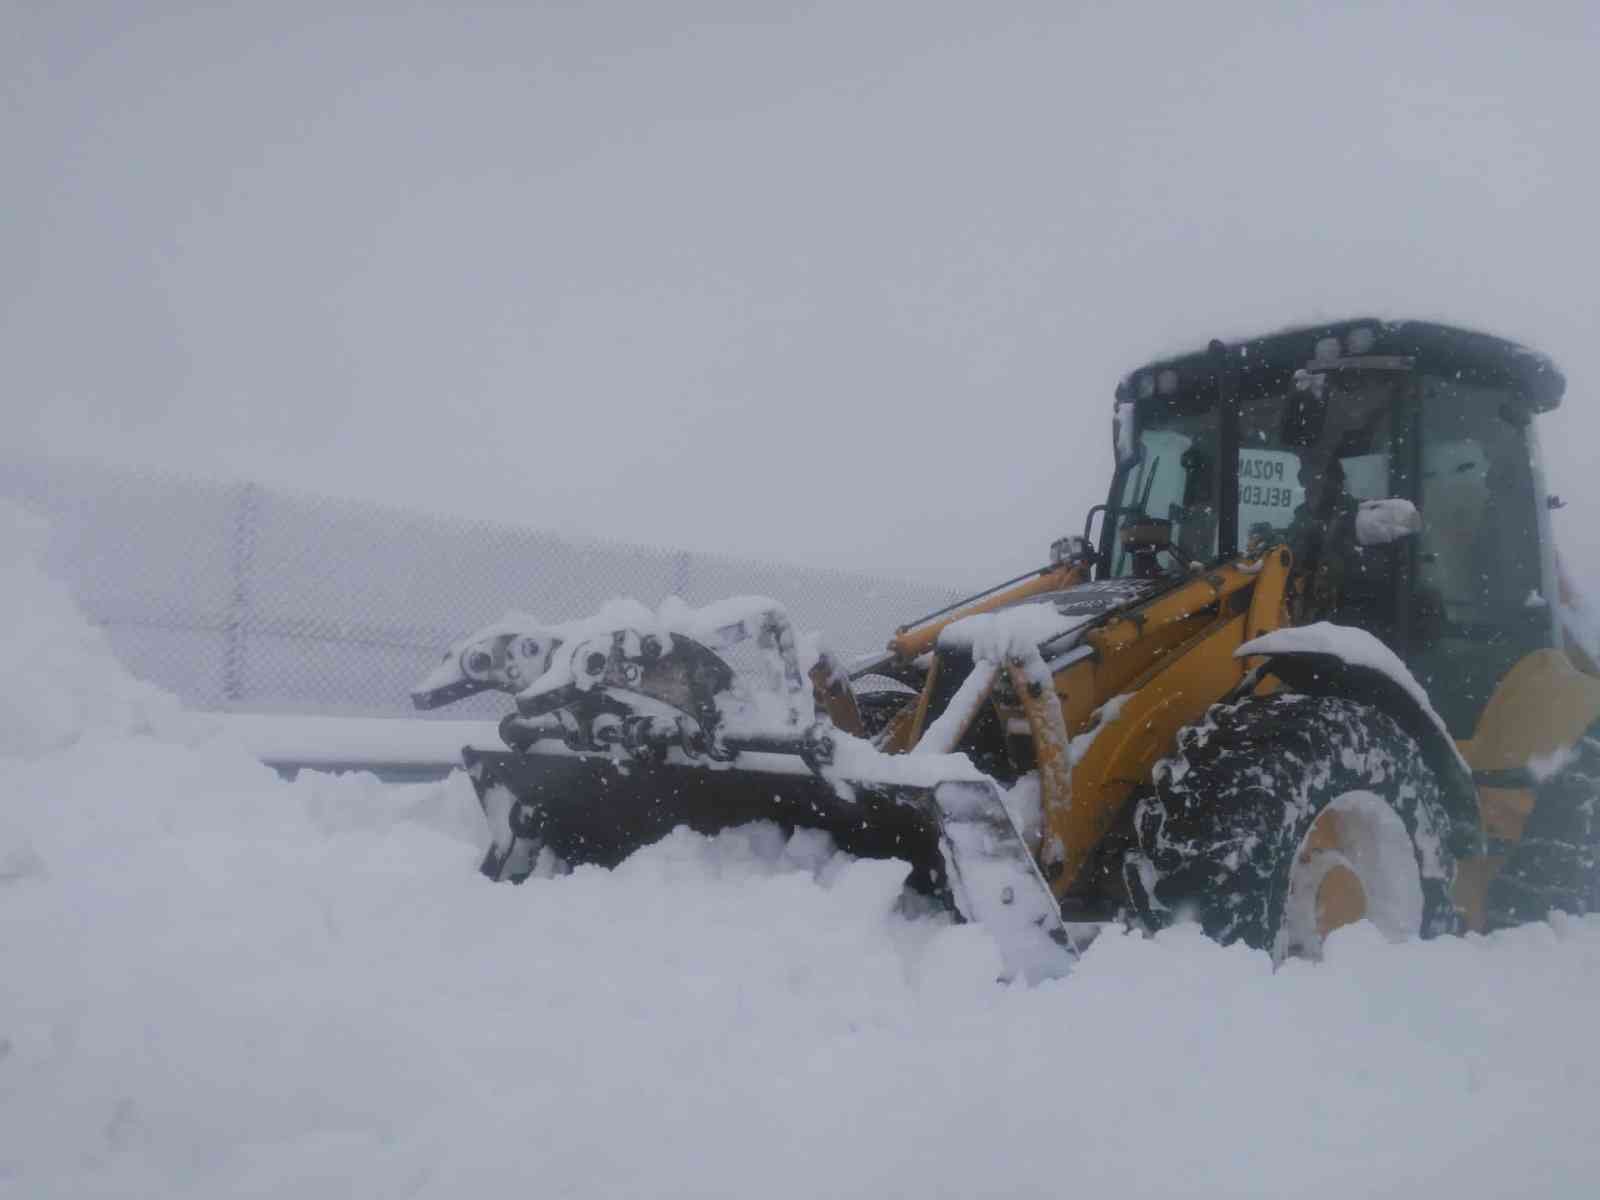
{"x": 217, "y": 983}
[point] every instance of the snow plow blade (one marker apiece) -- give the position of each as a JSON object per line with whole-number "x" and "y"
{"x": 956, "y": 835}
{"x": 585, "y": 808}
{"x": 630, "y": 724}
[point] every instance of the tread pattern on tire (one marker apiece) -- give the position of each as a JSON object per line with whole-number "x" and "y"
{"x": 1220, "y": 823}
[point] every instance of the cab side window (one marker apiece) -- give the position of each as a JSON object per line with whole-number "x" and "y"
{"x": 1477, "y": 606}
{"x": 1478, "y": 555}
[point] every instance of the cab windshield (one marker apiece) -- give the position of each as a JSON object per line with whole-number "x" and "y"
{"x": 1298, "y": 464}
{"x": 1303, "y": 470}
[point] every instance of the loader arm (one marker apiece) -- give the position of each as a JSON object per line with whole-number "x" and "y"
{"x": 1092, "y": 711}
{"x": 917, "y": 638}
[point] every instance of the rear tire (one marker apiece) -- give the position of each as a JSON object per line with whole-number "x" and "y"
{"x": 1281, "y": 817}
{"x": 1555, "y": 865}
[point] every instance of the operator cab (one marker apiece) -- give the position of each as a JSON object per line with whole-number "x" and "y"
{"x": 1280, "y": 440}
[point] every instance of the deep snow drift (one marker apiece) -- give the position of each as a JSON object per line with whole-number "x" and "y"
{"x": 216, "y": 983}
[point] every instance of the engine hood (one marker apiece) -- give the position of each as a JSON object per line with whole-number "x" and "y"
{"x": 1102, "y": 597}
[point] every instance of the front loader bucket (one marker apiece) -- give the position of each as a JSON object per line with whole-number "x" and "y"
{"x": 586, "y": 808}
{"x": 956, "y": 835}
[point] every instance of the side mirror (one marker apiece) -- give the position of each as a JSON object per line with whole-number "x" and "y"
{"x": 1306, "y": 412}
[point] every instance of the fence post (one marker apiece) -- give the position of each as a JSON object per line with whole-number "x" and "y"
{"x": 679, "y": 585}
{"x": 241, "y": 564}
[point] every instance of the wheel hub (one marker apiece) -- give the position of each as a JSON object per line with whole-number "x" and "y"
{"x": 1355, "y": 863}
{"x": 1341, "y": 900}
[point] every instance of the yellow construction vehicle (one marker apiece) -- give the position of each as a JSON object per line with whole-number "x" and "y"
{"x": 1308, "y": 664}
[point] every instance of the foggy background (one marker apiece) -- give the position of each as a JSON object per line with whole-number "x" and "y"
{"x": 840, "y": 284}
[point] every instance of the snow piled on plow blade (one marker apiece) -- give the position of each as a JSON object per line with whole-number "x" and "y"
{"x": 216, "y": 983}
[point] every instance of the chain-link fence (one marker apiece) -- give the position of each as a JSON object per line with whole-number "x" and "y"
{"x": 251, "y": 599}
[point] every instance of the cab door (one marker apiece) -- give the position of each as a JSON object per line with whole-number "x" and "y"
{"x": 1479, "y": 599}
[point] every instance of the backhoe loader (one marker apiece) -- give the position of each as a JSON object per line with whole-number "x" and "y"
{"x": 1310, "y": 663}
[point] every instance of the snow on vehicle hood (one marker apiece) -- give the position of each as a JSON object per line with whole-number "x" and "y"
{"x": 1045, "y": 619}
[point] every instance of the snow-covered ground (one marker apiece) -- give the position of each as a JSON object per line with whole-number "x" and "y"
{"x": 216, "y": 983}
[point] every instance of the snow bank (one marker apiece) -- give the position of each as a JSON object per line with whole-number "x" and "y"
{"x": 58, "y": 679}
{"x": 219, "y": 984}
{"x": 351, "y": 1011}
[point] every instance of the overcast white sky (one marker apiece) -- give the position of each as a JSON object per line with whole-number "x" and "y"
{"x": 846, "y": 284}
